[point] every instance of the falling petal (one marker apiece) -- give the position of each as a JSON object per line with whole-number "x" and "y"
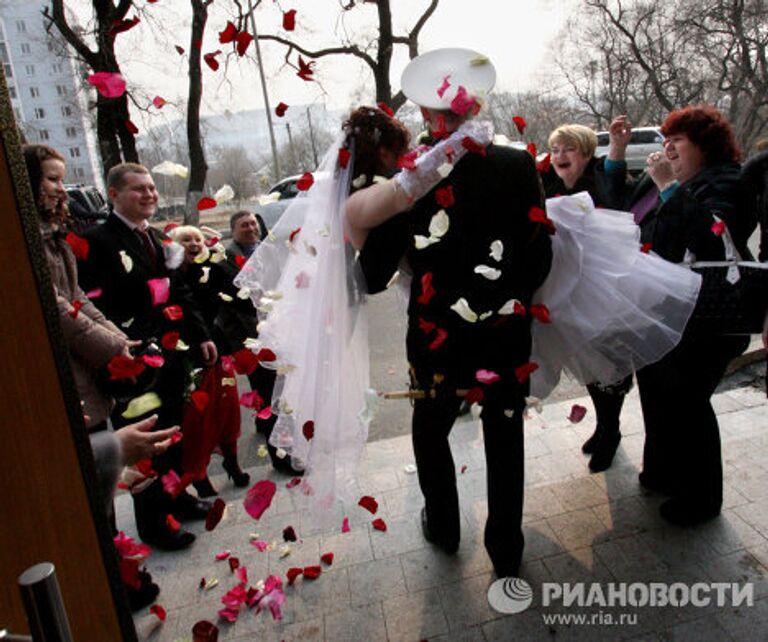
{"x": 513, "y": 306}
{"x": 159, "y": 102}
{"x": 488, "y": 272}
{"x": 487, "y": 376}
{"x": 445, "y": 169}
{"x": 215, "y": 514}
{"x": 142, "y": 405}
{"x": 168, "y": 168}
{"x": 577, "y": 413}
{"x": 159, "y": 290}
{"x": 358, "y": 182}
{"x": 540, "y": 312}
{"x": 109, "y": 85}
{"x": 520, "y": 123}
{"x": 223, "y": 194}
{"x": 497, "y": 250}
{"x": 524, "y": 371}
{"x": 422, "y": 241}
{"x": 439, "y": 224}
{"x": 461, "y": 307}
{"x": 158, "y": 611}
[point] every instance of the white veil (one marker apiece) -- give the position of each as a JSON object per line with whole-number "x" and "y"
{"x": 306, "y": 286}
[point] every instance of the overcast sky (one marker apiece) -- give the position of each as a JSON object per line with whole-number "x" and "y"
{"x": 515, "y": 34}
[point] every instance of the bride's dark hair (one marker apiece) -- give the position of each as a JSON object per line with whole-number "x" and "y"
{"x": 371, "y": 129}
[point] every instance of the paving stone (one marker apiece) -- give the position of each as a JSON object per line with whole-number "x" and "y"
{"x": 416, "y": 616}
{"x": 465, "y": 604}
{"x": 357, "y": 623}
{"x": 540, "y": 540}
{"x": 579, "y": 565}
{"x": 375, "y": 581}
{"x": 349, "y": 548}
{"x": 577, "y": 528}
{"x": 579, "y": 493}
{"x": 743, "y": 622}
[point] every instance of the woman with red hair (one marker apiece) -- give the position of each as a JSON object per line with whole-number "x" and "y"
{"x": 698, "y": 178}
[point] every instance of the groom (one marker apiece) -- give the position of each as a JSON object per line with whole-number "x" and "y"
{"x": 469, "y": 333}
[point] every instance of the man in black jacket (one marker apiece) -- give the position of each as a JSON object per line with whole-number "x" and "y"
{"x": 131, "y": 265}
{"x": 468, "y": 334}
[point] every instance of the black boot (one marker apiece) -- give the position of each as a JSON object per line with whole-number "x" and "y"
{"x": 604, "y": 452}
{"x": 204, "y": 488}
{"x": 145, "y": 594}
{"x": 234, "y": 472}
{"x": 588, "y": 447}
{"x": 186, "y": 506}
{"x": 282, "y": 464}
{"x": 151, "y": 508}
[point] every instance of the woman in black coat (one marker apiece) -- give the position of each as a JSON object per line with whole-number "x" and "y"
{"x": 698, "y": 179}
{"x": 574, "y": 169}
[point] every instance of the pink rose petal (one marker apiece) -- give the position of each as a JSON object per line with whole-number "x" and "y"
{"x": 159, "y": 290}
{"x": 259, "y": 498}
{"x": 108, "y": 84}
{"x": 222, "y": 555}
{"x": 345, "y": 525}
{"x": 264, "y": 413}
{"x": 487, "y": 376}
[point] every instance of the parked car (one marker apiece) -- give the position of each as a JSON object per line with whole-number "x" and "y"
{"x": 286, "y": 187}
{"x": 644, "y": 141}
{"x": 87, "y": 206}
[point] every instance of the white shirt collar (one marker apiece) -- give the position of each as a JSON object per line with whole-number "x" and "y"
{"x": 131, "y": 225}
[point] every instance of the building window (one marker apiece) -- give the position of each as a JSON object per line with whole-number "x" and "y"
{"x": 21, "y": 26}
{"x": 79, "y": 172}
{"x": 34, "y": 92}
{"x": 25, "y": 48}
{"x": 74, "y": 152}
{"x": 8, "y": 70}
{"x": 29, "y": 70}
{"x": 39, "y": 113}
{"x": 71, "y": 132}
{"x": 12, "y": 91}
{"x": 66, "y": 110}
{"x": 3, "y": 52}
{"x": 43, "y": 134}
{"x": 16, "y": 113}
{"x": 56, "y": 67}
{"x": 61, "y": 90}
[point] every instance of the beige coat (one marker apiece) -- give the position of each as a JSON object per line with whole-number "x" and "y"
{"x": 91, "y": 339}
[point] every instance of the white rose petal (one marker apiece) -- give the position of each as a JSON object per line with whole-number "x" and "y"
{"x": 497, "y": 250}
{"x": 127, "y": 261}
{"x": 445, "y": 169}
{"x": 439, "y": 224}
{"x": 483, "y": 316}
{"x": 534, "y": 403}
{"x": 228, "y": 381}
{"x": 422, "y": 241}
{"x": 128, "y": 323}
{"x": 224, "y": 193}
{"x": 380, "y": 179}
{"x": 488, "y": 272}
{"x": 218, "y": 257}
{"x": 244, "y": 294}
{"x": 409, "y": 469}
{"x": 509, "y": 307}
{"x": 275, "y": 295}
{"x": 206, "y": 274}
{"x": 252, "y": 344}
{"x": 359, "y": 181}
{"x": 225, "y": 297}
{"x": 461, "y": 307}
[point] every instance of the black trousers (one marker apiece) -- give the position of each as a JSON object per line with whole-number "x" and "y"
{"x": 504, "y": 453}
{"x": 682, "y": 436}
{"x": 608, "y": 402}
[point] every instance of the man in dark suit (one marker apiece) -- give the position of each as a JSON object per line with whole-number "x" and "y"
{"x": 239, "y": 324}
{"x": 474, "y": 247}
{"x": 132, "y": 266}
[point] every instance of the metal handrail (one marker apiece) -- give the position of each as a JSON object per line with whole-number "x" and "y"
{"x": 46, "y": 614}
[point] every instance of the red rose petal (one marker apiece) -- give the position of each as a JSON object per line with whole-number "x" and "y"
{"x": 173, "y": 312}
{"x": 538, "y": 215}
{"x": 289, "y": 20}
{"x": 444, "y": 196}
{"x": 229, "y": 33}
{"x": 179, "y": 49}
{"x": 386, "y": 109}
{"x": 327, "y": 558}
{"x": 519, "y": 123}
{"x": 646, "y": 247}
{"x": 265, "y": 354}
{"x": 540, "y": 312}
{"x": 289, "y": 534}
{"x": 242, "y": 41}
{"x": 462, "y": 102}
{"x": 427, "y": 327}
{"x": 240, "y": 261}
{"x": 264, "y": 413}
{"x": 76, "y": 305}
{"x": 206, "y": 203}
{"x": 345, "y": 525}
{"x": 159, "y": 102}
{"x": 408, "y": 160}
{"x": 379, "y": 524}
{"x": 463, "y": 469}
{"x": 79, "y": 246}
{"x": 234, "y": 563}
{"x": 131, "y": 127}
{"x": 109, "y": 85}
{"x": 473, "y": 147}
{"x": 474, "y": 395}
{"x": 172, "y": 523}
{"x": 523, "y": 372}
{"x": 444, "y": 87}
{"x": 344, "y": 157}
{"x": 245, "y": 361}
{"x": 120, "y": 26}
{"x": 577, "y": 413}
{"x": 369, "y": 504}
{"x": 292, "y": 574}
{"x": 544, "y": 164}
{"x": 305, "y": 182}
{"x": 158, "y": 611}
{"x": 305, "y": 71}
{"x": 312, "y": 572}
{"x": 294, "y": 482}
{"x": 121, "y": 367}
{"x": 427, "y": 291}
{"x": 308, "y": 430}
{"x": 718, "y": 227}
{"x": 531, "y": 148}
{"x": 200, "y": 399}
{"x": 169, "y": 340}
{"x": 280, "y": 109}
{"x": 214, "y": 515}
{"x": 210, "y": 59}
{"x": 259, "y": 498}
{"x": 439, "y": 339}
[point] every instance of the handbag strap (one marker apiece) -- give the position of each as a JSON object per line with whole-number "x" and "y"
{"x": 732, "y": 255}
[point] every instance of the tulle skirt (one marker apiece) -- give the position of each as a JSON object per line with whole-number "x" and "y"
{"x": 614, "y": 308}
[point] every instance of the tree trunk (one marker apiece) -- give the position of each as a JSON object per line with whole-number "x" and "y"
{"x": 198, "y": 167}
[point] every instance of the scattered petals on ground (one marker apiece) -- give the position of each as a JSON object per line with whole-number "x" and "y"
{"x": 577, "y": 413}
{"x": 259, "y": 498}
{"x": 369, "y": 504}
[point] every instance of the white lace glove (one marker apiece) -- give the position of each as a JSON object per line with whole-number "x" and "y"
{"x": 436, "y": 163}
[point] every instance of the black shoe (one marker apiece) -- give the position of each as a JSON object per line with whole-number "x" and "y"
{"x": 234, "y": 472}
{"x": 186, "y": 506}
{"x": 204, "y": 488}
{"x": 283, "y": 464}
{"x": 143, "y": 596}
{"x": 448, "y": 547}
{"x": 151, "y": 508}
{"x": 681, "y": 512}
{"x": 602, "y": 458}
{"x": 588, "y": 447}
